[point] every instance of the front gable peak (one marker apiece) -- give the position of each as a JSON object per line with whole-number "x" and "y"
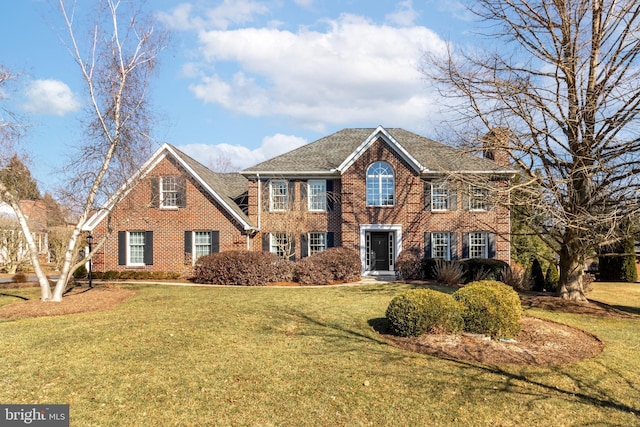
{"x": 380, "y": 133}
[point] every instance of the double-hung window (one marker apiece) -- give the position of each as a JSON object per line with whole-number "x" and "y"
{"x": 478, "y": 245}
{"x": 279, "y": 199}
{"x": 478, "y": 198}
{"x": 136, "y": 248}
{"x": 440, "y": 245}
{"x": 380, "y": 185}
{"x": 202, "y": 243}
{"x": 169, "y": 192}
{"x": 317, "y": 242}
{"x": 280, "y": 245}
{"x": 440, "y": 196}
{"x": 317, "y": 195}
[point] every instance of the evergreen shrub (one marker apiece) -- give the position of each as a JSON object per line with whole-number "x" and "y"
{"x": 482, "y": 269}
{"x": 418, "y": 311}
{"x": 490, "y": 308}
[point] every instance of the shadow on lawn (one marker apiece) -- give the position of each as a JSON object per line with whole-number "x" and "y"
{"x": 588, "y": 391}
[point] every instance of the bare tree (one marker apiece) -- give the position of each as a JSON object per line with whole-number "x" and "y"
{"x": 565, "y": 81}
{"x": 120, "y": 60}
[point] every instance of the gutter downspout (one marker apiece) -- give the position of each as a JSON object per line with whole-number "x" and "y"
{"x": 259, "y": 202}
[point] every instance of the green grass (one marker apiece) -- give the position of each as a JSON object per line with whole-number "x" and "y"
{"x": 194, "y": 356}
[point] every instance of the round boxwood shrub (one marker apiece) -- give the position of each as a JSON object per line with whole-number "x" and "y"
{"x": 490, "y": 308}
{"x": 418, "y": 311}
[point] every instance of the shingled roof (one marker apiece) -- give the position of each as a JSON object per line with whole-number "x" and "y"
{"x": 330, "y": 155}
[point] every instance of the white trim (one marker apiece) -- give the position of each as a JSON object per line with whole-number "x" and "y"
{"x": 364, "y": 228}
{"x": 324, "y": 181}
{"x": 395, "y": 145}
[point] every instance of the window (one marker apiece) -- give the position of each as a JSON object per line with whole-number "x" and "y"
{"x": 478, "y": 198}
{"x": 440, "y": 246}
{"x": 317, "y": 242}
{"x": 478, "y": 245}
{"x": 317, "y": 194}
{"x": 169, "y": 192}
{"x": 280, "y": 245}
{"x": 202, "y": 243}
{"x": 380, "y": 185}
{"x": 440, "y": 196}
{"x": 279, "y": 196}
{"x": 136, "y": 248}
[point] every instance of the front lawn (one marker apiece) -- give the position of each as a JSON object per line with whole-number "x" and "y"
{"x": 299, "y": 356}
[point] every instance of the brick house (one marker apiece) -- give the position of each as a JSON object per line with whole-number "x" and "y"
{"x": 379, "y": 191}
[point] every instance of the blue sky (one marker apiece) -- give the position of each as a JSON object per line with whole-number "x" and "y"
{"x": 243, "y": 79}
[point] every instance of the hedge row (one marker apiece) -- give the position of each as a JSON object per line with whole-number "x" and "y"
{"x": 244, "y": 268}
{"x": 130, "y": 275}
{"x": 486, "y": 307}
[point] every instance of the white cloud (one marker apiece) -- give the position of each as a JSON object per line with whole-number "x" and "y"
{"x": 242, "y": 157}
{"x": 404, "y": 15}
{"x": 227, "y": 13}
{"x": 50, "y": 97}
{"x": 354, "y": 71}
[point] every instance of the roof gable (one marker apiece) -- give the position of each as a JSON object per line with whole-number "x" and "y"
{"x": 224, "y": 188}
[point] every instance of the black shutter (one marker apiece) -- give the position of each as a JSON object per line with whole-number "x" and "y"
{"x": 266, "y": 242}
{"x": 155, "y": 191}
{"x": 331, "y": 198}
{"x": 427, "y": 196}
{"x": 427, "y": 245}
{"x": 188, "y": 247}
{"x": 465, "y": 245}
{"x": 293, "y": 246}
{"x": 122, "y": 248}
{"x": 304, "y": 194}
{"x": 491, "y": 245}
{"x": 291, "y": 193}
{"x": 330, "y": 240}
{"x": 215, "y": 242}
{"x": 182, "y": 192}
{"x": 148, "y": 248}
{"x": 452, "y": 193}
{"x": 304, "y": 245}
{"x": 453, "y": 245}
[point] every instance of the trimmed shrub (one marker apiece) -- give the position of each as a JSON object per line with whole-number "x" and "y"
{"x": 242, "y": 268}
{"x": 476, "y": 269}
{"x": 448, "y": 272}
{"x": 429, "y": 268}
{"x": 409, "y": 265}
{"x": 490, "y": 308}
{"x": 80, "y": 273}
{"x": 620, "y": 266}
{"x": 335, "y": 265}
{"x": 19, "y": 278}
{"x": 552, "y": 278}
{"x": 537, "y": 276}
{"x": 110, "y": 275}
{"x": 418, "y": 311}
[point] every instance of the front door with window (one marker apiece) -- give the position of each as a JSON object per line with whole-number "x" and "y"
{"x": 380, "y": 251}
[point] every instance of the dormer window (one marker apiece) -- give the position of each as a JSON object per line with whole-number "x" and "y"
{"x": 380, "y": 185}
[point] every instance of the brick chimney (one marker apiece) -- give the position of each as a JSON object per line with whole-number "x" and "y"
{"x": 495, "y": 146}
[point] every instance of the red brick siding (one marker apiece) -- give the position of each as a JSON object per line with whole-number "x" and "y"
{"x": 135, "y": 213}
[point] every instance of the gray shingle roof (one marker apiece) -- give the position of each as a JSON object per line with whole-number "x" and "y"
{"x": 328, "y": 153}
{"x": 231, "y": 187}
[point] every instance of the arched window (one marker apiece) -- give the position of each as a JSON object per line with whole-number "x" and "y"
{"x": 380, "y": 185}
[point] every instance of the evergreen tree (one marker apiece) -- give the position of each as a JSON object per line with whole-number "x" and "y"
{"x": 552, "y": 278}
{"x": 537, "y": 276}
{"x": 17, "y": 178}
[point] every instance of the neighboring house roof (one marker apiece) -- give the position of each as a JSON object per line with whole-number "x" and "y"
{"x": 226, "y": 188}
{"x": 333, "y": 154}
{"x": 34, "y": 210}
